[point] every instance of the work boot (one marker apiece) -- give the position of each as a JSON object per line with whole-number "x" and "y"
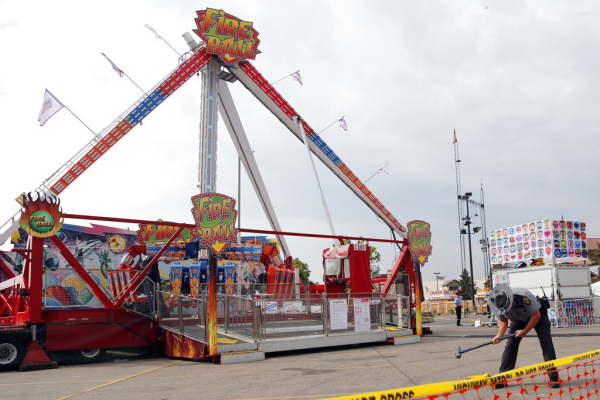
{"x": 554, "y": 384}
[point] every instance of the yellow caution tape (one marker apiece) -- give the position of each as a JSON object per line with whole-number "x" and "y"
{"x": 450, "y": 386}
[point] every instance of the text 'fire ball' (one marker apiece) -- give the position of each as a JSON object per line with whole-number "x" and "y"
{"x": 215, "y": 216}
{"x": 227, "y": 36}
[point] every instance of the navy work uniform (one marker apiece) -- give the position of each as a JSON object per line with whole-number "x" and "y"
{"x": 519, "y": 305}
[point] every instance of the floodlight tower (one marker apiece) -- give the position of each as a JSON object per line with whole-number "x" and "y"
{"x": 458, "y": 193}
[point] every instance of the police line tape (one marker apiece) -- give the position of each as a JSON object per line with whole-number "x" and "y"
{"x": 450, "y": 386}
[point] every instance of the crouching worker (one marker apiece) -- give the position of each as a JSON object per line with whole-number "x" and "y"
{"x": 525, "y": 313}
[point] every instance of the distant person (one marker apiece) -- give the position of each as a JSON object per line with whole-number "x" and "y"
{"x": 185, "y": 285}
{"x": 525, "y": 313}
{"x": 458, "y": 307}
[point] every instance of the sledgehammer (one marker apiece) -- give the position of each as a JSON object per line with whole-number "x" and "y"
{"x": 458, "y": 352}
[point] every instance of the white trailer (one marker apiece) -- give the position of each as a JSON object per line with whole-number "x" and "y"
{"x": 559, "y": 281}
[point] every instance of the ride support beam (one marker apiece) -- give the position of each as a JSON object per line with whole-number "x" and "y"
{"x": 5, "y": 267}
{"x": 36, "y": 273}
{"x": 82, "y": 272}
{"x": 136, "y": 281}
{"x": 395, "y": 269}
{"x": 212, "y": 305}
{"x": 418, "y": 297}
{"x": 5, "y": 304}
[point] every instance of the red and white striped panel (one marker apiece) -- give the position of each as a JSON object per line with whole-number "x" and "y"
{"x": 181, "y": 75}
{"x": 92, "y": 156}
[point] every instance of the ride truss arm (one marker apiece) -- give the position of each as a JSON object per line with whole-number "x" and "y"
{"x": 128, "y": 120}
{"x": 266, "y": 94}
{"x": 100, "y": 144}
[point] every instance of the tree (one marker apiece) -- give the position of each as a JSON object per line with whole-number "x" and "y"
{"x": 303, "y": 271}
{"x": 374, "y": 256}
{"x": 464, "y": 286}
{"x": 488, "y": 282}
{"x": 595, "y": 259}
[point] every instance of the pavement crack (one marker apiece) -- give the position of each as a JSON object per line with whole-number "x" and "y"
{"x": 396, "y": 367}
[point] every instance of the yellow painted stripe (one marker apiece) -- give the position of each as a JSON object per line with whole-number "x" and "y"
{"x": 119, "y": 380}
{"x": 450, "y": 386}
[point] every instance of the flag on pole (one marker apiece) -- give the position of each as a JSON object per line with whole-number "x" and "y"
{"x": 118, "y": 70}
{"x": 153, "y": 31}
{"x": 296, "y": 76}
{"x": 455, "y": 140}
{"x": 343, "y": 124}
{"x": 382, "y": 170}
{"x": 50, "y": 106}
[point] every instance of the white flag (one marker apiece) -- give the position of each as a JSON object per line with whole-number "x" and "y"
{"x": 296, "y": 76}
{"x": 343, "y": 124}
{"x": 153, "y": 31}
{"x": 50, "y": 106}
{"x": 117, "y": 69}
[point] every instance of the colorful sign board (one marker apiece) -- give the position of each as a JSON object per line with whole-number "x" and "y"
{"x": 419, "y": 240}
{"x": 150, "y": 234}
{"x": 41, "y": 217}
{"x": 547, "y": 238}
{"x": 227, "y": 36}
{"x": 215, "y": 217}
{"x": 572, "y": 313}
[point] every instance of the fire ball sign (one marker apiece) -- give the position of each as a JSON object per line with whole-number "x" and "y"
{"x": 227, "y": 36}
{"x": 41, "y": 217}
{"x": 215, "y": 216}
{"x": 419, "y": 240}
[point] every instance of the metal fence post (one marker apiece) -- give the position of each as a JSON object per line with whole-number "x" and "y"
{"x": 226, "y": 313}
{"x": 180, "y": 317}
{"x": 383, "y": 303}
{"x": 256, "y": 320}
{"x": 158, "y": 316}
{"x": 325, "y": 313}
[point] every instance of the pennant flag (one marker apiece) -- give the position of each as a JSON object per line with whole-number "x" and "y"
{"x": 118, "y": 70}
{"x": 455, "y": 140}
{"x": 153, "y": 31}
{"x": 382, "y": 170}
{"x": 426, "y": 289}
{"x": 296, "y": 76}
{"x": 50, "y": 106}
{"x": 343, "y": 124}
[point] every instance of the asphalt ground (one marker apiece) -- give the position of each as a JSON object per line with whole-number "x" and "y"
{"x": 296, "y": 375}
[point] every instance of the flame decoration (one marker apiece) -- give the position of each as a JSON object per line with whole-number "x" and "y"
{"x": 43, "y": 202}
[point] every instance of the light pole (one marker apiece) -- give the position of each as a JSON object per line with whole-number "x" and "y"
{"x": 437, "y": 288}
{"x": 468, "y": 232}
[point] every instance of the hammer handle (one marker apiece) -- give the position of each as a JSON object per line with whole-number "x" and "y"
{"x": 488, "y": 343}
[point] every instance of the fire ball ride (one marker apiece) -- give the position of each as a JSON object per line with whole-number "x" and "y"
{"x": 210, "y": 307}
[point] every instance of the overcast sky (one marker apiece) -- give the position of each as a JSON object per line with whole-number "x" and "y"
{"x": 518, "y": 80}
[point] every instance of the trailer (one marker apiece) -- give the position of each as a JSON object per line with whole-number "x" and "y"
{"x": 558, "y": 281}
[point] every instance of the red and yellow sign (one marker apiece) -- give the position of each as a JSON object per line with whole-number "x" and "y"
{"x": 215, "y": 216}
{"x": 227, "y": 36}
{"x": 419, "y": 240}
{"x": 41, "y": 217}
